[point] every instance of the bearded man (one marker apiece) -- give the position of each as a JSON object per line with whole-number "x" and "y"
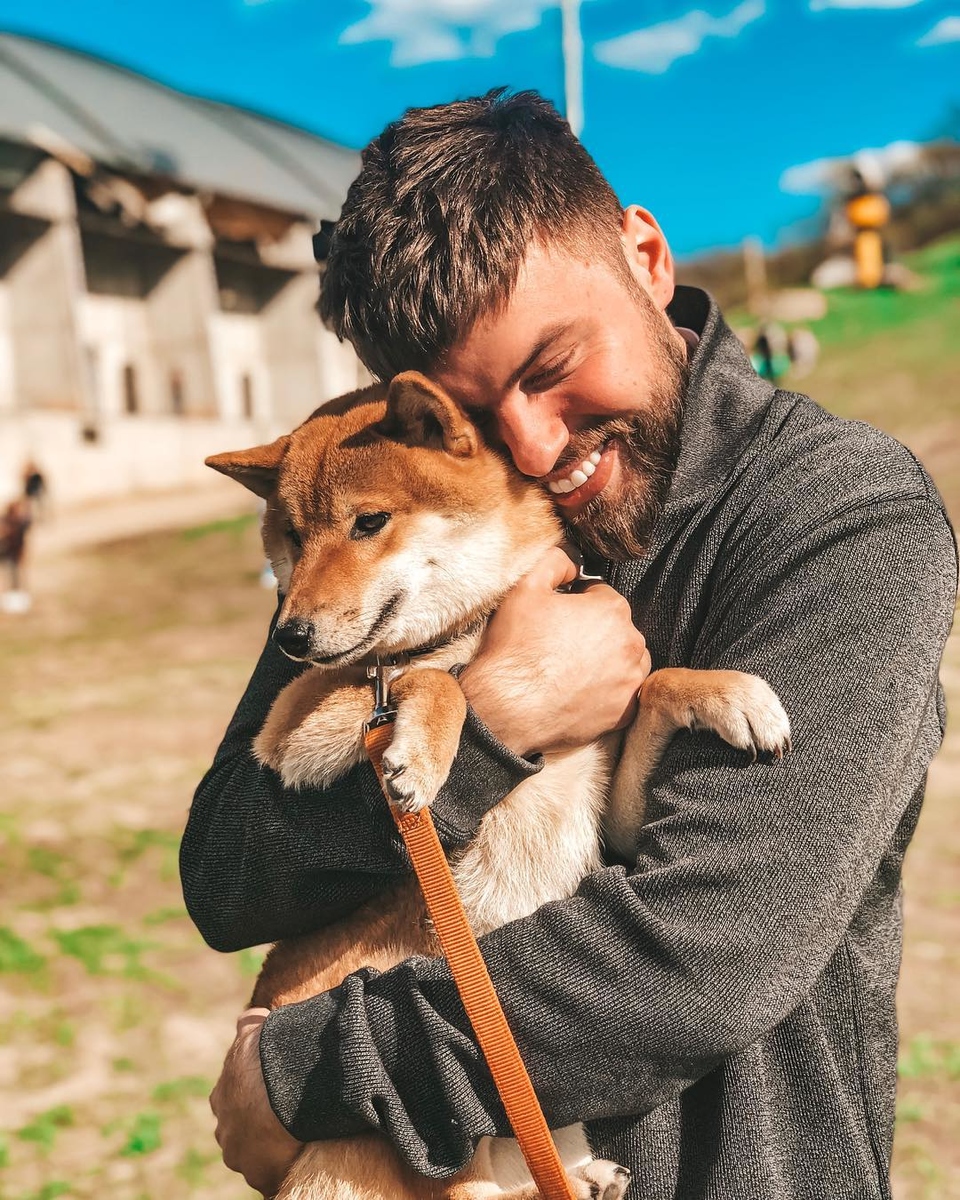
{"x": 719, "y": 1009}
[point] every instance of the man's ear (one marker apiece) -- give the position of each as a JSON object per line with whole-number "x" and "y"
{"x": 256, "y": 469}
{"x": 648, "y": 255}
{"x": 421, "y": 414}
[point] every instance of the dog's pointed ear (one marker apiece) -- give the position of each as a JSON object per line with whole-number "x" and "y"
{"x": 421, "y": 414}
{"x": 256, "y": 469}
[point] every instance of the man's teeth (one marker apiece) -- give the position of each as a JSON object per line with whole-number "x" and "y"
{"x": 577, "y": 477}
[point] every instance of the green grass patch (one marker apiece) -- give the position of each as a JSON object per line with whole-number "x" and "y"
{"x": 9, "y": 827}
{"x": 43, "y": 1130}
{"x": 60, "y": 871}
{"x": 133, "y": 845}
{"x": 192, "y": 1167}
{"x": 145, "y": 1135}
{"x": 924, "y": 1057}
{"x": 17, "y": 956}
{"x": 250, "y": 961}
{"x": 910, "y": 1109}
{"x": 235, "y": 527}
{"x": 173, "y": 912}
{"x": 64, "y": 1033}
{"x": 50, "y": 1191}
{"x": 105, "y": 950}
{"x": 175, "y": 1090}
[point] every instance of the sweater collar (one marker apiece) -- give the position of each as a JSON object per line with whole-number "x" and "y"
{"x": 724, "y": 403}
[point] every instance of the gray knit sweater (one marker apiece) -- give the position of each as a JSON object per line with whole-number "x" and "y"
{"x": 721, "y": 1011}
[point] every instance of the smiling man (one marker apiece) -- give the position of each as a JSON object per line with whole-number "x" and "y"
{"x": 720, "y": 1007}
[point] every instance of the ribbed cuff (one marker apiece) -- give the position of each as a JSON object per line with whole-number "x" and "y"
{"x": 293, "y": 1040}
{"x": 483, "y": 773}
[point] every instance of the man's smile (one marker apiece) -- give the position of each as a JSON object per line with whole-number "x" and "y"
{"x": 578, "y": 482}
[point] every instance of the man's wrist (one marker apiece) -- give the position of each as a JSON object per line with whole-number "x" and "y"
{"x": 485, "y": 695}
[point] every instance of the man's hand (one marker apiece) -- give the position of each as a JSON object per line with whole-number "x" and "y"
{"x": 252, "y": 1139}
{"x": 556, "y": 670}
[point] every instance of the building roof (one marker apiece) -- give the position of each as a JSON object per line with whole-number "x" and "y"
{"x": 129, "y": 122}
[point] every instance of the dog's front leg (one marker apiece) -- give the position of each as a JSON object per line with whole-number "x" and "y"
{"x": 742, "y": 709}
{"x": 313, "y": 734}
{"x": 431, "y": 710}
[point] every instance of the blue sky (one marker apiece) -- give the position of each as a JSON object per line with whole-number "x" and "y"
{"x": 695, "y": 110}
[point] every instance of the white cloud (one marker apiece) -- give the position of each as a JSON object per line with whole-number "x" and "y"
{"x": 820, "y": 5}
{"x": 876, "y": 167}
{"x": 947, "y": 30}
{"x": 655, "y": 49}
{"x": 443, "y": 30}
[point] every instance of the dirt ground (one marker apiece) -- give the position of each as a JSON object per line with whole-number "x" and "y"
{"x": 113, "y": 1014}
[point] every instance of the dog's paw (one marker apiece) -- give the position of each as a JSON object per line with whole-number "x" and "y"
{"x": 747, "y": 714}
{"x": 411, "y": 780}
{"x": 600, "y": 1180}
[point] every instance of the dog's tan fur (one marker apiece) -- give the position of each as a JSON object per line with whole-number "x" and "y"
{"x": 464, "y": 528}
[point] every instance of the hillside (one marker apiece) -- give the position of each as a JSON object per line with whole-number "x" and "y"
{"x": 893, "y": 359}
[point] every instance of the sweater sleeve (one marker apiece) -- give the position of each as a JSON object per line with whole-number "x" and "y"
{"x": 260, "y": 861}
{"x": 747, "y": 877}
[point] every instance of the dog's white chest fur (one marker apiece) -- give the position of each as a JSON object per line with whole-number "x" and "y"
{"x": 500, "y": 1160}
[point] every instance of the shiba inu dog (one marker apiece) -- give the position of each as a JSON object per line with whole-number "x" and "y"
{"x": 394, "y": 532}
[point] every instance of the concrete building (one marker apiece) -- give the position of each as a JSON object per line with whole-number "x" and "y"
{"x": 157, "y": 280}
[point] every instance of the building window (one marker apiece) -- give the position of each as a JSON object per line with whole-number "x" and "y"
{"x": 246, "y": 397}
{"x": 176, "y": 393}
{"x": 131, "y": 401}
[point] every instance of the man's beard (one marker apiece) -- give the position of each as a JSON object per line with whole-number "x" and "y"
{"x": 620, "y": 526}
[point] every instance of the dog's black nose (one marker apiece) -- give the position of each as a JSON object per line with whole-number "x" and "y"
{"x": 294, "y": 637}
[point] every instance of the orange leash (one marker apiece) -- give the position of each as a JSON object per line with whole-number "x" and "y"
{"x": 473, "y": 981}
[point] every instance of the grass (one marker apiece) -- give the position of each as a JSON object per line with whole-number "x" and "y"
{"x": 113, "y": 1014}
{"x": 16, "y": 955}
{"x": 893, "y": 359}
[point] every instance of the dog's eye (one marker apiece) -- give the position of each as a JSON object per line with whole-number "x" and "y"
{"x": 295, "y": 539}
{"x": 367, "y": 524}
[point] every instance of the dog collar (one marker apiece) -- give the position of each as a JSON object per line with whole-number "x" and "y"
{"x": 402, "y": 658}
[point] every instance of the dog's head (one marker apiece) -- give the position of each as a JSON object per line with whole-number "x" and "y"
{"x": 389, "y": 523}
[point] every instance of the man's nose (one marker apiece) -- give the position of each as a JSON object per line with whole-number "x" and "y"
{"x": 533, "y": 432}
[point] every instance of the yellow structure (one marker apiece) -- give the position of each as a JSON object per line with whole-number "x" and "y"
{"x": 868, "y": 213}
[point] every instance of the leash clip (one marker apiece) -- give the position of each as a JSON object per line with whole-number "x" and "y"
{"x": 384, "y": 713}
{"x": 582, "y": 581}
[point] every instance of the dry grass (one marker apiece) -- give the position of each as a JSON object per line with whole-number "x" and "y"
{"x": 113, "y": 1014}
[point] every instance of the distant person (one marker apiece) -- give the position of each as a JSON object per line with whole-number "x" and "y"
{"x": 35, "y": 490}
{"x": 769, "y": 357}
{"x": 14, "y": 525}
{"x": 776, "y": 352}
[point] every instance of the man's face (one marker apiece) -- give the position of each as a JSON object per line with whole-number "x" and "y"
{"x": 580, "y": 376}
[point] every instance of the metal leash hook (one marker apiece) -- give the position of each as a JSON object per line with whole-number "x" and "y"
{"x": 384, "y": 713}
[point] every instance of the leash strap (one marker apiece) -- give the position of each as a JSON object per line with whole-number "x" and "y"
{"x": 474, "y": 984}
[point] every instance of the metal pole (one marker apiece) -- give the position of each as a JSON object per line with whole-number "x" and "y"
{"x": 572, "y": 64}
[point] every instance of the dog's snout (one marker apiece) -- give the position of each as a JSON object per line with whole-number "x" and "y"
{"x": 294, "y": 637}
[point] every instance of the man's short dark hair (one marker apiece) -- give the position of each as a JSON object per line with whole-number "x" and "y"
{"x": 436, "y": 225}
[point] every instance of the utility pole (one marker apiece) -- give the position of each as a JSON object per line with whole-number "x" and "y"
{"x": 572, "y": 64}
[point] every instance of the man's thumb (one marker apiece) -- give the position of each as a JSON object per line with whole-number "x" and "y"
{"x": 553, "y": 570}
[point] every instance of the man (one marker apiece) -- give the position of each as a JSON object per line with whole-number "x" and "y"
{"x": 720, "y": 1009}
